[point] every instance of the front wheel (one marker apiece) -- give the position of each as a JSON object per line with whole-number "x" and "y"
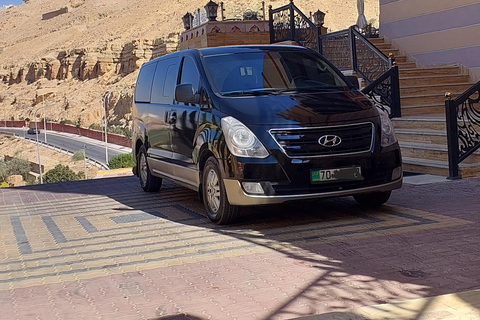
{"x": 149, "y": 182}
{"x": 219, "y": 210}
{"x": 374, "y": 199}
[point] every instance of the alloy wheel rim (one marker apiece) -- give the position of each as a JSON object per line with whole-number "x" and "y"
{"x": 213, "y": 191}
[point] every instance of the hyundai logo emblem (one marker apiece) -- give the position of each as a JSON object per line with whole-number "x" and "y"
{"x": 329, "y": 140}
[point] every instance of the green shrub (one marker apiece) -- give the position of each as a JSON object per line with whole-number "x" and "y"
{"x": 18, "y": 166}
{"x": 121, "y": 161}
{"x": 66, "y": 121}
{"x": 3, "y": 170}
{"x": 96, "y": 126}
{"x": 62, "y": 173}
{"x": 31, "y": 180}
{"x": 78, "y": 155}
{"x": 124, "y": 131}
{"x": 4, "y": 184}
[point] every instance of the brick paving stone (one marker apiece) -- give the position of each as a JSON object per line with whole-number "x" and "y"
{"x": 290, "y": 279}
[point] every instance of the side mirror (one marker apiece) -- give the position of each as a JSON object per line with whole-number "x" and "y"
{"x": 354, "y": 81}
{"x": 184, "y": 93}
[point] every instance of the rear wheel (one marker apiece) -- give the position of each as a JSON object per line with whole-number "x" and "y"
{"x": 149, "y": 182}
{"x": 374, "y": 199}
{"x": 219, "y": 210}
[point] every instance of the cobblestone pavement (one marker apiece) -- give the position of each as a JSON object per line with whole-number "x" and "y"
{"x": 104, "y": 249}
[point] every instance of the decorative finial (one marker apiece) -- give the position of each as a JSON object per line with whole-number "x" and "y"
{"x": 448, "y": 95}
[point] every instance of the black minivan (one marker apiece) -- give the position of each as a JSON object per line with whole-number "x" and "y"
{"x": 256, "y": 125}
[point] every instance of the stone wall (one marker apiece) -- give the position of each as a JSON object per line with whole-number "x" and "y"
{"x": 84, "y": 132}
{"x": 224, "y": 33}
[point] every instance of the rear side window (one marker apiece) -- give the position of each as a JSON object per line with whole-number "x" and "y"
{"x": 143, "y": 87}
{"x": 164, "y": 82}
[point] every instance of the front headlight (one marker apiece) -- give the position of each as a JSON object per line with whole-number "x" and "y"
{"x": 388, "y": 132}
{"x": 241, "y": 141}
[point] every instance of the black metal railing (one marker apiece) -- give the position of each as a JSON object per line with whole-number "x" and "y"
{"x": 347, "y": 50}
{"x": 385, "y": 92}
{"x": 350, "y": 50}
{"x": 463, "y": 128}
{"x": 288, "y": 23}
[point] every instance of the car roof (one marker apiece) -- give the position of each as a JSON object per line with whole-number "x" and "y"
{"x": 248, "y": 48}
{"x": 232, "y": 49}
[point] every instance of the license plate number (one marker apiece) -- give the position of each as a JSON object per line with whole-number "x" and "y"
{"x": 353, "y": 173}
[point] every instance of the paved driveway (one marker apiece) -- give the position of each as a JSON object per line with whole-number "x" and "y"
{"x": 104, "y": 249}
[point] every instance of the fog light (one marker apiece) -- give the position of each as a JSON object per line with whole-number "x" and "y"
{"x": 253, "y": 187}
{"x": 397, "y": 173}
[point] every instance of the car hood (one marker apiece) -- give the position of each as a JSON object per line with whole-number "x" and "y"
{"x": 299, "y": 109}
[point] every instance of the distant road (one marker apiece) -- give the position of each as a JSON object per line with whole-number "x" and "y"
{"x": 94, "y": 149}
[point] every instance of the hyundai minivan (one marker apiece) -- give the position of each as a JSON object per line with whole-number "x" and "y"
{"x": 259, "y": 125}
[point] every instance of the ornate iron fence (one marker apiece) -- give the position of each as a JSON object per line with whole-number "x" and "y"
{"x": 350, "y": 50}
{"x": 385, "y": 92}
{"x": 336, "y": 47}
{"x": 288, "y": 23}
{"x": 347, "y": 50}
{"x": 463, "y": 127}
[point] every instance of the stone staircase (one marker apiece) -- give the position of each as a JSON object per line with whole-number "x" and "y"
{"x": 422, "y": 129}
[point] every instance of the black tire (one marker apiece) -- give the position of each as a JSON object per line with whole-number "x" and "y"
{"x": 219, "y": 210}
{"x": 374, "y": 199}
{"x": 149, "y": 182}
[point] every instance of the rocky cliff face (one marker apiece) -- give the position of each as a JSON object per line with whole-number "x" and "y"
{"x": 86, "y": 64}
{"x": 52, "y": 79}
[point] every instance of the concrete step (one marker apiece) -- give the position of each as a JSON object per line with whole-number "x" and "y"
{"x": 423, "y": 109}
{"x": 432, "y": 80}
{"x": 435, "y": 152}
{"x": 406, "y": 65}
{"x": 430, "y": 151}
{"x": 384, "y": 46}
{"x": 376, "y": 41}
{"x": 425, "y": 99}
{"x": 422, "y": 136}
{"x": 399, "y": 59}
{"x": 434, "y": 88}
{"x": 437, "y": 123}
{"x": 432, "y": 71}
{"x": 386, "y": 52}
{"x": 439, "y": 168}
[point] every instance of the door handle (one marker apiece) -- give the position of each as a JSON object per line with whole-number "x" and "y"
{"x": 173, "y": 117}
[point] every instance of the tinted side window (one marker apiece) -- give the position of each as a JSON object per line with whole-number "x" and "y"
{"x": 144, "y": 83}
{"x": 190, "y": 74}
{"x": 165, "y": 81}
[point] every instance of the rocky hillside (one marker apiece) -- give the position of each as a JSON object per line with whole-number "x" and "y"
{"x": 69, "y": 53}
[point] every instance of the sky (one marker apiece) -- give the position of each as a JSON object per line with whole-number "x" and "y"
{"x": 14, "y": 2}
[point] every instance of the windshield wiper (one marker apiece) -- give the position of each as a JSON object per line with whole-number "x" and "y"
{"x": 259, "y": 92}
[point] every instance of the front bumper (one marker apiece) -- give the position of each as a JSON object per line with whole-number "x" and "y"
{"x": 237, "y": 196}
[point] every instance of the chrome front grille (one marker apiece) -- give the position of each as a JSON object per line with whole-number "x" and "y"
{"x": 304, "y": 142}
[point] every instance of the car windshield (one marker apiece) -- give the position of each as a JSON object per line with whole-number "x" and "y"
{"x": 271, "y": 72}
